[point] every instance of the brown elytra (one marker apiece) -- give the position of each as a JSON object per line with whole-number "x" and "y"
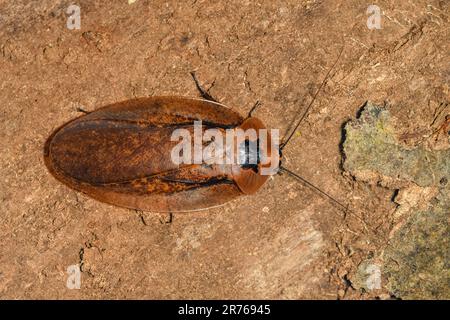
{"x": 121, "y": 154}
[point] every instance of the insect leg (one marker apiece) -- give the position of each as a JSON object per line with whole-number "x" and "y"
{"x": 253, "y": 109}
{"x": 82, "y": 110}
{"x": 203, "y": 92}
{"x": 168, "y": 219}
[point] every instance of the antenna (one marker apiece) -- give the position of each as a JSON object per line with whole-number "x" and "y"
{"x": 309, "y": 184}
{"x": 285, "y": 141}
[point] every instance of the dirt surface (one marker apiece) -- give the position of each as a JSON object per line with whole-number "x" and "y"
{"x": 284, "y": 242}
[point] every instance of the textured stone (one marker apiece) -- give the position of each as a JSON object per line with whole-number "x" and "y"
{"x": 372, "y": 151}
{"x": 416, "y": 260}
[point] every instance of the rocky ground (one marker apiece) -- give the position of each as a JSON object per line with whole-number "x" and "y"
{"x": 287, "y": 241}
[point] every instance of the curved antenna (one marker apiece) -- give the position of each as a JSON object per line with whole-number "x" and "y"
{"x": 309, "y": 184}
{"x": 285, "y": 141}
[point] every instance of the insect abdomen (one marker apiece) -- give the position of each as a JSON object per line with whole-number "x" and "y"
{"x": 121, "y": 154}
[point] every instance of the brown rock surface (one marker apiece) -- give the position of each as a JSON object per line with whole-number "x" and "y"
{"x": 284, "y": 242}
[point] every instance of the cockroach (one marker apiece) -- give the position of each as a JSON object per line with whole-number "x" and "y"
{"x": 121, "y": 154}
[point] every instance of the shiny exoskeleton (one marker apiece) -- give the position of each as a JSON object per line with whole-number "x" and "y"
{"x": 120, "y": 154}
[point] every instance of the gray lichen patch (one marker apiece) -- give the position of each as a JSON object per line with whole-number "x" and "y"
{"x": 373, "y": 152}
{"x": 416, "y": 262}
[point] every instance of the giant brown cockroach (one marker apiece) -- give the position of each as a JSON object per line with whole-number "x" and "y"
{"x": 121, "y": 154}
